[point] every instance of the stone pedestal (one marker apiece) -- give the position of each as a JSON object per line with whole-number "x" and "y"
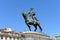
{"x": 29, "y": 35}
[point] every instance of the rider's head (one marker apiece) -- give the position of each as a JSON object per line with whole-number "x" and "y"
{"x": 31, "y": 9}
{"x": 34, "y": 14}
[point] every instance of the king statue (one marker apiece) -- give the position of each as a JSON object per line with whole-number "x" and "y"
{"x": 30, "y": 19}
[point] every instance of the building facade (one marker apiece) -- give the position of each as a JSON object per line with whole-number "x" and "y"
{"x": 9, "y": 34}
{"x": 57, "y": 36}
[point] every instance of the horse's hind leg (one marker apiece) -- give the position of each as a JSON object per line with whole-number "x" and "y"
{"x": 35, "y": 27}
{"x": 40, "y": 28}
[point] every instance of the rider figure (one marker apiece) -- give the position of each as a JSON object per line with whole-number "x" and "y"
{"x": 32, "y": 15}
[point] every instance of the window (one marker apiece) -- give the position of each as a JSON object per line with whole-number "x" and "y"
{"x": 5, "y": 38}
{"x": 10, "y": 38}
{"x": 14, "y": 38}
{"x": 1, "y": 37}
{"x": 17, "y": 38}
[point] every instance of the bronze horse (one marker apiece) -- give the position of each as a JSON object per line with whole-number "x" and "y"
{"x": 29, "y": 21}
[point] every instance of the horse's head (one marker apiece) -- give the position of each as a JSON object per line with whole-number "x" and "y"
{"x": 24, "y": 14}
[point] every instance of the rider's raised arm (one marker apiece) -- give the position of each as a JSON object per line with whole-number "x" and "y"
{"x": 36, "y": 18}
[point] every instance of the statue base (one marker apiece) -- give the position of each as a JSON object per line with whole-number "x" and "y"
{"x": 30, "y": 35}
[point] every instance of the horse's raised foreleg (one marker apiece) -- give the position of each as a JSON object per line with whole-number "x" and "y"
{"x": 29, "y": 27}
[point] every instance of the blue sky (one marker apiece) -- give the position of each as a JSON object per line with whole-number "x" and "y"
{"x": 47, "y": 12}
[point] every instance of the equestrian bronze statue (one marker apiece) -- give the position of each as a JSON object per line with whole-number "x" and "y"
{"x": 30, "y": 19}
